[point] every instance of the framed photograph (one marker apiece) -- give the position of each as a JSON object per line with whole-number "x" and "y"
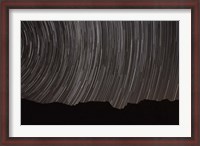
{"x": 100, "y": 72}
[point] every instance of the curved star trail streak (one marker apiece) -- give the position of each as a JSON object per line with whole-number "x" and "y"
{"x": 116, "y": 61}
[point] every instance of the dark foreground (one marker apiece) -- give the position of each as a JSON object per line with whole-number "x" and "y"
{"x": 100, "y": 113}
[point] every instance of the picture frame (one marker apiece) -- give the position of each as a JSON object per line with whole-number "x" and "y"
{"x": 7, "y": 5}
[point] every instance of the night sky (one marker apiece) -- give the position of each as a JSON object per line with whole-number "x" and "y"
{"x": 119, "y": 62}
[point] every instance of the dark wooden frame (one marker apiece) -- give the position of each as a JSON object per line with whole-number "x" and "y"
{"x": 102, "y": 4}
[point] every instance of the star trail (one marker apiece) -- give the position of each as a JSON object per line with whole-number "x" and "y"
{"x": 119, "y": 62}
